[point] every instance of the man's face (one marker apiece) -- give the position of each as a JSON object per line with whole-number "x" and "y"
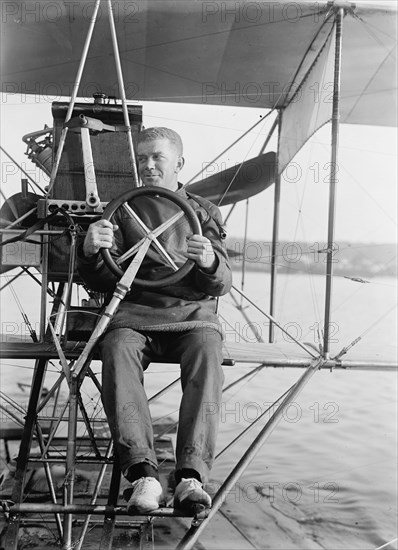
{"x": 159, "y": 163}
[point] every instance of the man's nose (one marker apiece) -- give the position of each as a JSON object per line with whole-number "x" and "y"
{"x": 150, "y": 163}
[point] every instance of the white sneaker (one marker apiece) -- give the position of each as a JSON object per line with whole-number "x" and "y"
{"x": 190, "y": 496}
{"x": 144, "y": 495}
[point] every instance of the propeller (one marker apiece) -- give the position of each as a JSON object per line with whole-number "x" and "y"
{"x": 15, "y": 207}
{"x": 248, "y": 179}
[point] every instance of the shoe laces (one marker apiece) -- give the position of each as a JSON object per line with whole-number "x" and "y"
{"x": 141, "y": 485}
{"x": 193, "y": 483}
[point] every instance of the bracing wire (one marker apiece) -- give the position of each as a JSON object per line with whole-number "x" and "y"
{"x": 261, "y": 121}
{"x": 378, "y": 320}
{"x": 370, "y": 30}
{"x": 386, "y": 544}
{"x": 299, "y": 221}
{"x": 22, "y": 170}
{"x": 22, "y": 311}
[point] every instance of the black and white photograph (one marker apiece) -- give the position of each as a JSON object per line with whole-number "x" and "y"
{"x": 198, "y": 275}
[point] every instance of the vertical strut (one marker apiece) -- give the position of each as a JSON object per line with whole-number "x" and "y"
{"x": 275, "y": 236}
{"x": 122, "y": 94}
{"x": 333, "y": 179}
{"x": 242, "y": 284}
{"x": 69, "y": 481}
{"x": 192, "y": 535}
{"x": 11, "y": 541}
{"x": 76, "y": 85}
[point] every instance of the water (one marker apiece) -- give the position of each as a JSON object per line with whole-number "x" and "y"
{"x": 327, "y": 476}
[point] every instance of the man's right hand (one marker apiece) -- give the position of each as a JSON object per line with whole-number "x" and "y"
{"x": 99, "y": 235}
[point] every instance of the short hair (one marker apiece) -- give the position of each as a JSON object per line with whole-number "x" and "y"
{"x": 150, "y": 134}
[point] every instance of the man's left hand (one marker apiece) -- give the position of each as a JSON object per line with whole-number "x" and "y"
{"x": 200, "y": 250}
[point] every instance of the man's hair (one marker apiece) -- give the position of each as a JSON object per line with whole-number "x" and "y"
{"x": 149, "y": 134}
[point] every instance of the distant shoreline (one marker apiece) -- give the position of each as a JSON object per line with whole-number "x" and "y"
{"x": 350, "y": 259}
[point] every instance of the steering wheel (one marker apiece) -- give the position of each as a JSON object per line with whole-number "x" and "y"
{"x": 185, "y": 209}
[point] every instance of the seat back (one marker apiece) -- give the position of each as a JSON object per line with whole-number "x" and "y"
{"x": 112, "y": 165}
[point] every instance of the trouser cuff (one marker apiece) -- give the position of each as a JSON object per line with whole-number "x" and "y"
{"x": 194, "y": 463}
{"x": 131, "y": 462}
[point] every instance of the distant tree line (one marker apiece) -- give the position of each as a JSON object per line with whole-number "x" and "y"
{"x": 349, "y": 259}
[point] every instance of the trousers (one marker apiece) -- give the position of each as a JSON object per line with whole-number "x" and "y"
{"x": 125, "y": 354}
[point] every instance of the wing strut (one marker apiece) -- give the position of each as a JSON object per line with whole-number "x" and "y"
{"x": 122, "y": 94}
{"x": 275, "y": 234}
{"x": 76, "y": 85}
{"x": 333, "y": 179}
{"x": 192, "y": 535}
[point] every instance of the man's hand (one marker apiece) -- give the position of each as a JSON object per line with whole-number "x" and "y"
{"x": 200, "y": 250}
{"x": 99, "y": 235}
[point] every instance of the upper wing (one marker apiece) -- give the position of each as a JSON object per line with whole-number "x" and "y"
{"x": 240, "y": 54}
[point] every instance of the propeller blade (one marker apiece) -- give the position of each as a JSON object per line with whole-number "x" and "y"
{"x": 14, "y": 208}
{"x": 248, "y": 179}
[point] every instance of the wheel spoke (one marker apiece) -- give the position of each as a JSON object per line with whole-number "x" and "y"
{"x": 152, "y": 235}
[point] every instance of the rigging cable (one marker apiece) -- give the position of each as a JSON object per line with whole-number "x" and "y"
{"x": 308, "y": 271}
{"x": 386, "y": 544}
{"x": 382, "y": 62}
{"x": 370, "y": 29}
{"x": 22, "y": 170}
{"x": 10, "y": 204}
{"x": 251, "y": 325}
{"x": 271, "y": 318}
{"x": 233, "y": 328}
{"x": 242, "y": 284}
{"x": 354, "y": 342}
{"x": 365, "y": 191}
{"x": 256, "y": 420}
{"x": 230, "y": 147}
{"x": 21, "y": 310}
{"x": 276, "y": 102}
{"x": 229, "y": 213}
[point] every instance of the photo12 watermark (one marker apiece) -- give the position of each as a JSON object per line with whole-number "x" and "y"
{"x": 254, "y": 492}
{"x": 51, "y": 11}
{"x": 37, "y": 92}
{"x": 261, "y": 12}
{"x": 248, "y": 412}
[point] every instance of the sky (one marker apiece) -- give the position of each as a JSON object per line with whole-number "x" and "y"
{"x": 366, "y": 203}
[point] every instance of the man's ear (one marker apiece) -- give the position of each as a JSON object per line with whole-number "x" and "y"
{"x": 180, "y": 164}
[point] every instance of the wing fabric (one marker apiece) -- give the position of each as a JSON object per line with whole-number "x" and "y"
{"x": 240, "y": 54}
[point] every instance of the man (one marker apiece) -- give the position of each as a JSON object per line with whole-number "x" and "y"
{"x": 176, "y": 320}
